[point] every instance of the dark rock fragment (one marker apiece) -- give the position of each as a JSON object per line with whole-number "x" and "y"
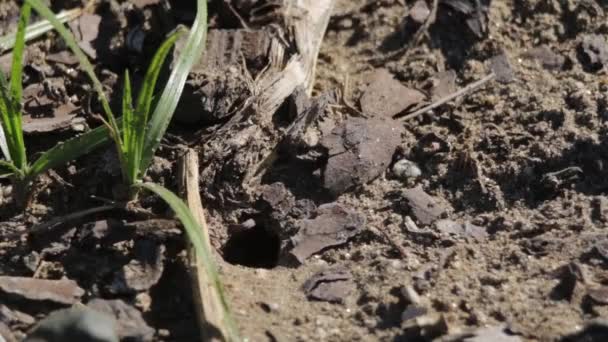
{"x": 333, "y": 225}
{"x": 141, "y": 273}
{"x": 424, "y": 208}
{"x": 359, "y": 151}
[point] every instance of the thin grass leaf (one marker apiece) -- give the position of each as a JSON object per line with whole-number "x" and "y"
{"x": 7, "y": 169}
{"x": 5, "y": 119}
{"x": 4, "y": 145}
{"x": 163, "y": 112}
{"x": 70, "y": 150}
{"x": 129, "y": 132}
{"x": 144, "y": 103}
{"x": 194, "y": 234}
{"x": 35, "y": 30}
{"x": 12, "y": 101}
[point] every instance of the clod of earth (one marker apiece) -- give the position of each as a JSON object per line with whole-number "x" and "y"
{"x": 141, "y": 273}
{"x": 594, "y": 52}
{"x": 599, "y": 294}
{"x": 332, "y": 285}
{"x": 386, "y": 97}
{"x": 75, "y": 324}
{"x": 444, "y": 86}
{"x": 467, "y": 229}
{"x": 474, "y": 12}
{"x": 423, "y": 207}
{"x": 494, "y": 334}
{"x": 62, "y": 291}
{"x": 425, "y": 327}
{"x": 502, "y": 68}
{"x": 332, "y": 225}
{"x": 359, "y": 151}
{"x": 546, "y": 57}
{"x": 131, "y": 325}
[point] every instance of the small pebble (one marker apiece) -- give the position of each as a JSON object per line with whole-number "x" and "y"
{"x": 406, "y": 169}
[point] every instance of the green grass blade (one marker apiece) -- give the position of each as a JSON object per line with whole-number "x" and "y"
{"x": 195, "y": 44}
{"x": 16, "y": 144}
{"x": 129, "y": 132}
{"x": 5, "y": 119}
{"x": 194, "y": 233}
{"x": 144, "y": 102}
{"x": 67, "y": 36}
{"x": 4, "y": 145}
{"x": 7, "y": 169}
{"x": 70, "y": 150}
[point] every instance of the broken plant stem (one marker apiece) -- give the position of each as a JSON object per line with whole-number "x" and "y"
{"x": 36, "y": 30}
{"x": 215, "y": 321}
{"x": 70, "y": 217}
{"x": 469, "y": 88}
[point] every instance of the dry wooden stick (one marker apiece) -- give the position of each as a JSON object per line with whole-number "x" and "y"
{"x": 460, "y": 92}
{"x": 207, "y": 301}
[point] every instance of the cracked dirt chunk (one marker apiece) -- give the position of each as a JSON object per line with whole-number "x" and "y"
{"x": 62, "y": 291}
{"x": 331, "y": 285}
{"x": 424, "y": 208}
{"x": 359, "y": 151}
{"x": 594, "y": 52}
{"x": 333, "y": 225}
{"x": 131, "y": 325}
{"x": 387, "y": 97}
{"x": 143, "y": 272}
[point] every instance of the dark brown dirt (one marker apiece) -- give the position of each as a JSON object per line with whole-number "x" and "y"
{"x": 494, "y": 226}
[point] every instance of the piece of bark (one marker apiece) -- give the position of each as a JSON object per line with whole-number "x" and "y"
{"x": 332, "y": 226}
{"x": 63, "y": 291}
